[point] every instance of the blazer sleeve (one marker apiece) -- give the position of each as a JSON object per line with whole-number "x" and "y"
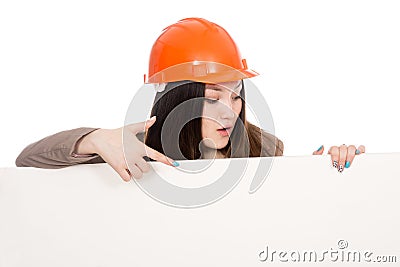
{"x": 57, "y": 151}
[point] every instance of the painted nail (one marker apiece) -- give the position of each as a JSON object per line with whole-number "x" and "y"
{"x": 335, "y": 163}
{"x": 320, "y": 148}
{"x": 340, "y": 168}
{"x": 347, "y": 164}
{"x": 357, "y": 151}
{"x": 176, "y": 164}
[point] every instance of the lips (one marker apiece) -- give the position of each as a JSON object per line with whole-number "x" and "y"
{"x": 227, "y": 128}
{"x": 224, "y": 131}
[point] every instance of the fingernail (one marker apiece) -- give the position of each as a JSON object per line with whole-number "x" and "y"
{"x": 176, "y": 164}
{"x": 335, "y": 163}
{"x": 320, "y": 148}
{"x": 340, "y": 168}
{"x": 357, "y": 151}
{"x": 347, "y": 164}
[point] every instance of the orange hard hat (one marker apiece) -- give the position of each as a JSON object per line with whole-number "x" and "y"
{"x": 198, "y": 50}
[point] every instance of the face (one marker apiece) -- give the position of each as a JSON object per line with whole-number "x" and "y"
{"x": 220, "y": 112}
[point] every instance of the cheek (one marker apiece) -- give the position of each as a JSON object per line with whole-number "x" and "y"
{"x": 210, "y": 114}
{"x": 237, "y": 107}
{"x": 209, "y": 121}
{"x": 204, "y": 126}
{"x": 209, "y": 111}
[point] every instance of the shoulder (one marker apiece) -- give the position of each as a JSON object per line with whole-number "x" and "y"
{"x": 271, "y": 145}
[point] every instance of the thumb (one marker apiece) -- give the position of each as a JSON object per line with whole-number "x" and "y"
{"x": 142, "y": 126}
{"x": 319, "y": 151}
{"x": 150, "y": 122}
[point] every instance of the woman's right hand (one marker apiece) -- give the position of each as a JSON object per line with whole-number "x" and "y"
{"x": 111, "y": 146}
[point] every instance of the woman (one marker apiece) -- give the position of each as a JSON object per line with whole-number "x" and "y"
{"x": 198, "y": 112}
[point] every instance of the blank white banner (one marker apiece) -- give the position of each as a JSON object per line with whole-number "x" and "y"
{"x": 305, "y": 213}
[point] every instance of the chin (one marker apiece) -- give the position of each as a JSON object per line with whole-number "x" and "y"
{"x": 216, "y": 142}
{"x": 221, "y": 145}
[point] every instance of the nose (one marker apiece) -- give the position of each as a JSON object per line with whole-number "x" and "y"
{"x": 226, "y": 111}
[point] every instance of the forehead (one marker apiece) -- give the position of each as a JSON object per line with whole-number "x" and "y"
{"x": 234, "y": 86}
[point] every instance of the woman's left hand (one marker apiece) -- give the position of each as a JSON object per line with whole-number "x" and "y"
{"x": 342, "y": 156}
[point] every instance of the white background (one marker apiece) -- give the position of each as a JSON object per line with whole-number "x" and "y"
{"x": 329, "y": 69}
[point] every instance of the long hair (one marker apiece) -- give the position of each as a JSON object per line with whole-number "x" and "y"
{"x": 177, "y": 130}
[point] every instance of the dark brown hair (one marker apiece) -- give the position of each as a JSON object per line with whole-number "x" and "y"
{"x": 177, "y": 130}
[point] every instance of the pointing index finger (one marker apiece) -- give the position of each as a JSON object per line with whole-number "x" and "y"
{"x": 154, "y": 154}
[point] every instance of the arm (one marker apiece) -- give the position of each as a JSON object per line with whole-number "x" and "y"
{"x": 58, "y": 151}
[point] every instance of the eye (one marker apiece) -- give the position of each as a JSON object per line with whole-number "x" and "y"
{"x": 211, "y": 101}
{"x": 236, "y": 98}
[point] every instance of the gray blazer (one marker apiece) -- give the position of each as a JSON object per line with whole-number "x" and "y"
{"x": 58, "y": 150}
